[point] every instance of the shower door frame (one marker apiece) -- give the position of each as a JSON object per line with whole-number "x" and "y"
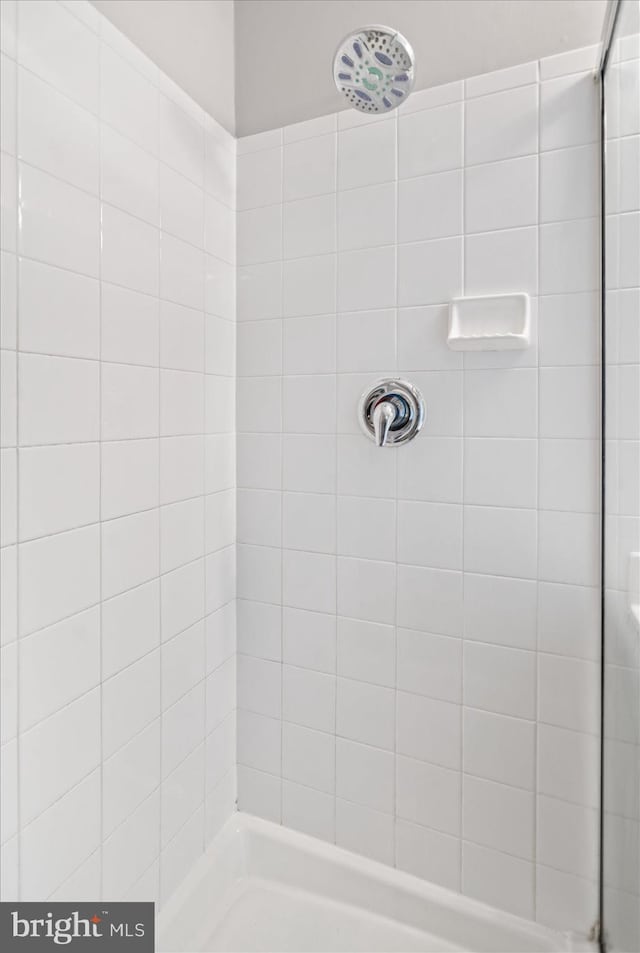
{"x": 611, "y": 20}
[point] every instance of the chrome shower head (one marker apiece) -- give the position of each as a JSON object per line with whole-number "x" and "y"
{"x": 374, "y": 69}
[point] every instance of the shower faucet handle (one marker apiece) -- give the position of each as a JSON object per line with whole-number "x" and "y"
{"x": 384, "y": 414}
{"x": 391, "y": 412}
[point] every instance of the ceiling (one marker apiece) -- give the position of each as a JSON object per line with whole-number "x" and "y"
{"x": 281, "y": 51}
{"x": 192, "y": 41}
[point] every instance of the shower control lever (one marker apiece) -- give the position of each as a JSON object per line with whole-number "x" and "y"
{"x": 384, "y": 415}
{"x": 391, "y": 412}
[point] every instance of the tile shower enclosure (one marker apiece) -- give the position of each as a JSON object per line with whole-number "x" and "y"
{"x": 417, "y": 639}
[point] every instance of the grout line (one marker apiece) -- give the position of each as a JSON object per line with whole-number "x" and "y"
{"x": 168, "y": 436}
{"x": 88, "y": 276}
{"x": 282, "y": 496}
{"x": 19, "y": 866}
{"x": 456, "y": 168}
{"x": 126, "y": 516}
{"x": 436, "y": 569}
{"x": 99, "y": 685}
{"x": 463, "y": 493}
{"x": 205, "y": 675}
{"x": 352, "y": 435}
{"x": 396, "y": 534}
{"x": 100, "y": 502}
{"x": 203, "y": 372}
{"x": 115, "y": 596}
{"x": 200, "y": 122}
{"x": 97, "y": 196}
{"x": 427, "y": 240}
{"x": 593, "y": 143}
{"x": 335, "y": 495}
{"x": 97, "y": 852}
{"x": 60, "y": 797}
{"x": 143, "y": 367}
{"x": 159, "y": 647}
{"x": 421, "y": 825}
{"x": 536, "y": 729}
{"x": 418, "y": 306}
{"x": 435, "y": 635}
{"x": 446, "y": 769}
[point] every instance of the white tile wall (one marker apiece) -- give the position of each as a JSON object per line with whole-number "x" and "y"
{"x": 111, "y": 626}
{"x": 418, "y": 629}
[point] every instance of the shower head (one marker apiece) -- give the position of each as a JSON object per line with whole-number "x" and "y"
{"x": 373, "y": 69}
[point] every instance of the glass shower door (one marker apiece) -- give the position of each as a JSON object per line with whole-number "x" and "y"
{"x": 621, "y": 389}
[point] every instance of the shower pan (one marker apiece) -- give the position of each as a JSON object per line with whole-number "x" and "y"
{"x": 264, "y": 887}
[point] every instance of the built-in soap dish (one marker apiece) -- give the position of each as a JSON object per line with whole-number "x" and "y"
{"x": 489, "y": 323}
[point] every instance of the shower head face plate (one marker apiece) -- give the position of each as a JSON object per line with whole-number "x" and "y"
{"x": 374, "y": 69}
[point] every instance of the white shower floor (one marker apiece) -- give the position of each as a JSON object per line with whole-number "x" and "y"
{"x": 266, "y": 916}
{"x": 265, "y": 888}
